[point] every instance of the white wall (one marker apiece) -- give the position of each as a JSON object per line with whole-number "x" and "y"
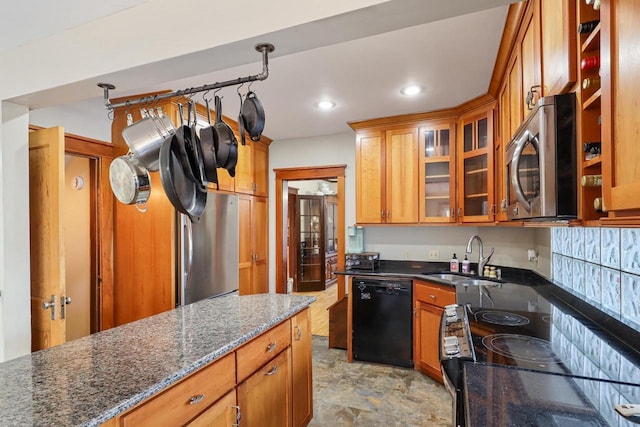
{"x": 410, "y": 242}
{"x": 74, "y": 120}
{"x": 15, "y": 312}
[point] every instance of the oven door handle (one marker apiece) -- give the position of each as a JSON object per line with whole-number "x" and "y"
{"x": 517, "y": 155}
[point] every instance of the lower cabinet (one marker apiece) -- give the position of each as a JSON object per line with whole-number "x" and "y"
{"x": 264, "y": 383}
{"x": 265, "y": 397}
{"x": 429, "y": 302}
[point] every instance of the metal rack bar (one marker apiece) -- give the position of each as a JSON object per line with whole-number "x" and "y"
{"x": 264, "y": 48}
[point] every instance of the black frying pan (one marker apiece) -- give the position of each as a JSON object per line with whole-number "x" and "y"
{"x": 208, "y": 150}
{"x": 184, "y": 194}
{"x": 223, "y": 136}
{"x": 253, "y": 115}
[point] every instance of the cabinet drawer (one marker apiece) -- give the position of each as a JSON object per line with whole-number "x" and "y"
{"x": 183, "y": 401}
{"x": 260, "y": 350}
{"x": 434, "y": 294}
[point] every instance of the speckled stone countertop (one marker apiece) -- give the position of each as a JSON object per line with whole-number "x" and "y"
{"x": 90, "y": 380}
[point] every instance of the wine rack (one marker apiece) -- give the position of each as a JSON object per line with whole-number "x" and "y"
{"x": 589, "y": 97}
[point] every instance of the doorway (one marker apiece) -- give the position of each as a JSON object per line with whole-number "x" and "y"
{"x": 285, "y": 177}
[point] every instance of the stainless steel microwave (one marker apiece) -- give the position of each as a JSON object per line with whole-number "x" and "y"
{"x": 540, "y": 175}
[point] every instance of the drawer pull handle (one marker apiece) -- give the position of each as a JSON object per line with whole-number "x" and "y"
{"x": 238, "y": 416}
{"x": 194, "y": 400}
{"x": 271, "y": 347}
{"x": 298, "y": 333}
{"x": 272, "y": 371}
{"x": 432, "y": 296}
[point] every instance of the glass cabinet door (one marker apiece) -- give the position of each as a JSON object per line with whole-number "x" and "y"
{"x": 476, "y": 164}
{"x": 330, "y": 218}
{"x": 310, "y": 228}
{"x": 437, "y": 154}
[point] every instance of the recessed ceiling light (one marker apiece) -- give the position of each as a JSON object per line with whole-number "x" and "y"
{"x": 411, "y": 90}
{"x": 326, "y": 105}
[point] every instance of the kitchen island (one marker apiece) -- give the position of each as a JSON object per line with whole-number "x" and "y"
{"x": 89, "y": 381}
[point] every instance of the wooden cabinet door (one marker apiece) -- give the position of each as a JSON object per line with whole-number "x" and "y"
{"x": 401, "y": 161}
{"x": 620, "y": 36}
{"x": 261, "y": 169}
{"x": 265, "y": 397}
{"x": 244, "y": 168}
{"x": 301, "y": 368}
{"x": 369, "y": 177}
{"x": 437, "y": 183}
{"x": 260, "y": 231}
{"x": 558, "y": 40}
{"x": 221, "y": 413}
{"x": 253, "y": 244}
{"x": 530, "y": 59}
{"x": 515, "y": 94}
{"x": 476, "y": 200}
{"x": 427, "y": 338}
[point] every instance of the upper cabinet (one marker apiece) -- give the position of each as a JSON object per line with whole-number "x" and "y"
{"x": 387, "y": 176}
{"x": 437, "y": 173}
{"x": 475, "y": 166}
{"x": 252, "y": 169}
{"x": 620, "y": 28}
{"x": 558, "y": 44}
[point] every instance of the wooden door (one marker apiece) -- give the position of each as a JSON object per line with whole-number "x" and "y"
{"x": 530, "y": 59}
{"x": 369, "y": 177}
{"x": 558, "y": 39}
{"x": 401, "y": 176}
{"x": 301, "y": 368}
{"x": 515, "y": 95}
{"x": 221, "y": 413}
{"x": 261, "y": 169}
{"x": 265, "y": 397}
{"x": 46, "y": 191}
{"x": 244, "y": 168}
{"x": 427, "y": 333}
{"x": 260, "y": 223}
{"x": 620, "y": 36}
{"x": 245, "y": 243}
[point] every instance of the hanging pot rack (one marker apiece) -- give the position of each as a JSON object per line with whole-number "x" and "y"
{"x": 264, "y": 48}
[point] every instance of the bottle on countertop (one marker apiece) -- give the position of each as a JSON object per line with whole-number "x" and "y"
{"x": 454, "y": 264}
{"x": 466, "y": 265}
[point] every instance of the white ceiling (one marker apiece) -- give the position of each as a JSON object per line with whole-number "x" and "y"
{"x": 362, "y": 70}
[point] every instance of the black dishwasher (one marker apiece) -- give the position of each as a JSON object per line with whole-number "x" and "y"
{"x": 382, "y": 321}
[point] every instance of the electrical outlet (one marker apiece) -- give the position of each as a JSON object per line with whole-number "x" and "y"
{"x": 433, "y": 255}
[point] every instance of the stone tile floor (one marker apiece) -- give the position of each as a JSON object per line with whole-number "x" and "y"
{"x": 368, "y": 394}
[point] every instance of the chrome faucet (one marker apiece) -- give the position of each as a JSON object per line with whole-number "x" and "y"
{"x": 482, "y": 260}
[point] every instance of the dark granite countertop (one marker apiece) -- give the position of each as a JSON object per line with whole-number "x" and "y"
{"x": 501, "y": 395}
{"x": 86, "y": 382}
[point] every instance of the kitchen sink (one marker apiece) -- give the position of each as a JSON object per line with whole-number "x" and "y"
{"x": 448, "y": 276}
{"x": 477, "y": 282}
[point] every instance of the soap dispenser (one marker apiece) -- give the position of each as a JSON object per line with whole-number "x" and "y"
{"x": 466, "y": 265}
{"x": 453, "y": 264}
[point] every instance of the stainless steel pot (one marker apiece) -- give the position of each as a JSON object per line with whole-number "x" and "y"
{"x": 130, "y": 181}
{"x": 145, "y": 137}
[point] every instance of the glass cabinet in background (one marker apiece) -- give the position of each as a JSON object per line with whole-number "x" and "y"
{"x": 476, "y": 198}
{"x": 331, "y": 238}
{"x": 437, "y": 173}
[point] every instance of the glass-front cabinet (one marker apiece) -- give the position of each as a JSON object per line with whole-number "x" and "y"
{"x": 437, "y": 173}
{"x": 331, "y": 238}
{"x": 475, "y": 164}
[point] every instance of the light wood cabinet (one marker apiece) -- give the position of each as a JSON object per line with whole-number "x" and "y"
{"x": 252, "y": 168}
{"x": 302, "y": 386}
{"x": 475, "y": 166}
{"x": 387, "y": 176}
{"x": 265, "y": 397}
{"x": 558, "y": 45}
{"x": 429, "y": 302}
{"x": 620, "y": 37}
{"x": 188, "y": 398}
{"x": 253, "y": 258}
{"x": 274, "y": 388}
{"x": 530, "y": 58}
{"x": 437, "y": 173}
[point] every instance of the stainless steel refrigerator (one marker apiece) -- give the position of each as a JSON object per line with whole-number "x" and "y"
{"x": 207, "y": 251}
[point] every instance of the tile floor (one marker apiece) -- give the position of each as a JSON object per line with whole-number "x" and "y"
{"x": 371, "y": 395}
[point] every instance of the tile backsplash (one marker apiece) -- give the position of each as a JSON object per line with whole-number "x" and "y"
{"x": 601, "y": 266}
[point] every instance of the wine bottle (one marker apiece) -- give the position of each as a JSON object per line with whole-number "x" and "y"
{"x": 591, "y": 181}
{"x": 590, "y": 82}
{"x": 598, "y": 204}
{"x": 590, "y": 62}
{"x": 596, "y": 4}
{"x": 591, "y": 147}
{"x": 588, "y": 1}
{"x": 587, "y": 27}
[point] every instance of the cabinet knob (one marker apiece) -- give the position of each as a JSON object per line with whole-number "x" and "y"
{"x": 238, "y": 416}
{"x": 272, "y": 371}
{"x": 298, "y": 333}
{"x": 271, "y": 347}
{"x": 433, "y": 297}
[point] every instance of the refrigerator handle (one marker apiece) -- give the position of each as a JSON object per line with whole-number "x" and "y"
{"x": 188, "y": 235}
